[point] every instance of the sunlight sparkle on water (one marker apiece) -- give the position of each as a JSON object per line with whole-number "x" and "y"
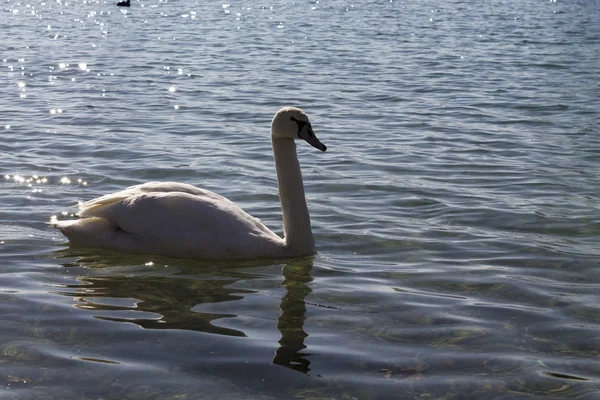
{"x": 18, "y": 179}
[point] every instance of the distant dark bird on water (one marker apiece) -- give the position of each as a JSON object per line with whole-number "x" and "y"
{"x": 125, "y": 3}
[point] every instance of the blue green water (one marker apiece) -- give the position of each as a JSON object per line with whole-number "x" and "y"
{"x": 456, "y": 211}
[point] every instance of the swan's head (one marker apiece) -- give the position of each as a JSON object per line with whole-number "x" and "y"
{"x": 293, "y": 123}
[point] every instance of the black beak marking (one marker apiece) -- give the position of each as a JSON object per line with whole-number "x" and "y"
{"x": 301, "y": 125}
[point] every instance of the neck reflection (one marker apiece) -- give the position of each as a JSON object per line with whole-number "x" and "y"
{"x": 291, "y": 320}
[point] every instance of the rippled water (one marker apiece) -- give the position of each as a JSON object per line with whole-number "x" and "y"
{"x": 456, "y": 212}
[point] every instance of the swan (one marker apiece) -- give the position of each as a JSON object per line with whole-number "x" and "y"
{"x": 180, "y": 220}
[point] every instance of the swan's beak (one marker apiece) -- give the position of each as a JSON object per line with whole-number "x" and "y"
{"x": 307, "y": 134}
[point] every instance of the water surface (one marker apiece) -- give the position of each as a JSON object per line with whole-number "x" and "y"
{"x": 456, "y": 211}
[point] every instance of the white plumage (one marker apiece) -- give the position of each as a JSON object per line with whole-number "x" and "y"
{"x": 180, "y": 220}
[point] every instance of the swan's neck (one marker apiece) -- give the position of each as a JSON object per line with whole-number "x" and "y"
{"x": 296, "y": 221}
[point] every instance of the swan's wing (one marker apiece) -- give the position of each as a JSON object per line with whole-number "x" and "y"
{"x": 171, "y": 223}
{"x": 94, "y": 207}
{"x": 151, "y": 212}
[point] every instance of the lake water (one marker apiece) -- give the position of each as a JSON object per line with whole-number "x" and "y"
{"x": 456, "y": 211}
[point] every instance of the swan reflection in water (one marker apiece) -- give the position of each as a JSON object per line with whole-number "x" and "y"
{"x": 157, "y": 299}
{"x": 291, "y": 320}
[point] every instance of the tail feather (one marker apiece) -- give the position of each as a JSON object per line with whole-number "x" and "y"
{"x": 102, "y": 233}
{"x": 88, "y": 232}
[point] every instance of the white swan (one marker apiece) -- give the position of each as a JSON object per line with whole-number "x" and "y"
{"x": 179, "y": 220}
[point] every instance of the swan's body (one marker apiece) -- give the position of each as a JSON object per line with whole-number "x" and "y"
{"x": 179, "y": 220}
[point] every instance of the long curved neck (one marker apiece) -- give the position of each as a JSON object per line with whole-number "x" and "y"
{"x": 296, "y": 220}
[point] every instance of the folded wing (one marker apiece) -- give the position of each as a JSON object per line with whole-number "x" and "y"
{"x": 171, "y": 219}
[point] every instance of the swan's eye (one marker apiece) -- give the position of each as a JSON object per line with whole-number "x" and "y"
{"x": 301, "y": 125}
